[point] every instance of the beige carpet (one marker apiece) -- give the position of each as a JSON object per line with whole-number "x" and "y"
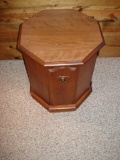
{"x": 29, "y": 132}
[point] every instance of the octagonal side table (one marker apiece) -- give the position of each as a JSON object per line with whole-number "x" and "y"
{"x": 59, "y": 49}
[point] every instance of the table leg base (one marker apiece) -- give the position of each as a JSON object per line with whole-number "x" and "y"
{"x": 61, "y": 108}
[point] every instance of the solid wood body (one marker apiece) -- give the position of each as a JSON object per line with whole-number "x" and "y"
{"x": 59, "y": 49}
{"x": 46, "y": 88}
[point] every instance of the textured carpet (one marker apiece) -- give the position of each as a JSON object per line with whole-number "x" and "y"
{"x": 29, "y": 132}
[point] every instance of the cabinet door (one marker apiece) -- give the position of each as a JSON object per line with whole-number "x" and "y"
{"x": 63, "y": 81}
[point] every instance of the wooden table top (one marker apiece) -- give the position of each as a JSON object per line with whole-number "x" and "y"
{"x": 60, "y": 37}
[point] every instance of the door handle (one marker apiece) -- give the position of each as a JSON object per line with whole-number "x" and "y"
{"x": 63, "y": 78}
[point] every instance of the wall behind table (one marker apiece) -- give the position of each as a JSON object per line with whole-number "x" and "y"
{"x": 14, "y": 12}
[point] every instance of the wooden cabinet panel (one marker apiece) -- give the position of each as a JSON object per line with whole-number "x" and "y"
{"x": 38, "y": 78}
{"x": 85, "y": 76}
{"x": 63, "y": 85}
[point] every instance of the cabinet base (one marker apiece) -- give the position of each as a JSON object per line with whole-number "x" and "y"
{"x": 61, "y": 108}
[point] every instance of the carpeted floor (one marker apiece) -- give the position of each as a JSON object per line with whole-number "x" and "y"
{"x": 29, "y": 132}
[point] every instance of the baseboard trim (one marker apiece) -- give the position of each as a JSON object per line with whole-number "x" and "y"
{"x": 61, "y": 108}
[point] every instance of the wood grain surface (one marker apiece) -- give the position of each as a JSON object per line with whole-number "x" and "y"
{"x": 60, "y": 36}
{"x": 11, "y": 17}
{"x": 51, "y": 3}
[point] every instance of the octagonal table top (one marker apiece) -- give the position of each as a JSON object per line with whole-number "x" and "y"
{"x": 60, "y": 37}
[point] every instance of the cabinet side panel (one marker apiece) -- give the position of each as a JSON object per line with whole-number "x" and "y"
{"x": 85, "y": 76}
{"x": 38, "y": 78}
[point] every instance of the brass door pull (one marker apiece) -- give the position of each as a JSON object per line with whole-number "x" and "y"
{"x": 62, "y": 78}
